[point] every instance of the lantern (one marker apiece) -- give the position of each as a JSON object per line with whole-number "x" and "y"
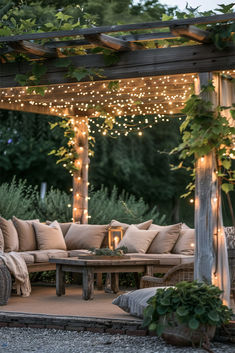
{"x": 115, "y": 235}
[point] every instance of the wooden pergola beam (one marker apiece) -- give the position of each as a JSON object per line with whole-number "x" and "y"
{"x": 191, "y": 32}
{"x": 24, "y": 46}
{"x": 118, "y": 44}
{"x": 140, "y": 63}
{"x": 120, "y": 28}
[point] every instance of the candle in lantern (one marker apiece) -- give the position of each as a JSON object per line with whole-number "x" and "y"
{"x": 116, "y": 241}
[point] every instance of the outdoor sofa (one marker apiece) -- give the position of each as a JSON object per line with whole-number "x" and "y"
{"x": 37, "y": 242}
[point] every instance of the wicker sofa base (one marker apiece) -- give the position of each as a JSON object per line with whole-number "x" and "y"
{"x": 5, "y": 283}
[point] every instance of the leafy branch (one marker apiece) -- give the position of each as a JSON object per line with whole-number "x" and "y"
{"x": 33, "y": 78}
{"x": 205, "y": 130}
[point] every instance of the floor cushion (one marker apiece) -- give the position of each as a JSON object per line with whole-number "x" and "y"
{"x": 135, "y": 302}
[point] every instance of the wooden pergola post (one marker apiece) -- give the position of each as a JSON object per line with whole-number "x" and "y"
{"x": 205, "y": 195}
{"x": 80, "y": 177}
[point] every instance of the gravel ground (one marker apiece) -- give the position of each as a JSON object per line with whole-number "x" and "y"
{"x": 21, "y": 340}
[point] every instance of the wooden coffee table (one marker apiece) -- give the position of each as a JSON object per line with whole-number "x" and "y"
{"x": 89, "y": 267}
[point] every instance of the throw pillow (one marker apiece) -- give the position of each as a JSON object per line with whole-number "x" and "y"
{"x": 11, "y": 240}
{"x": 135, "y": 302}
{"x": 49, "y": 237}
{"x": 1, "y": 241}
{"x": 85, "y": 236}
{"x": 166, "y": 238}
{"x": 64, "y": 226}
{"x": 186, "y": 242}
{"x": 137, "y": 240}
{"x": 144, "y": 225}
{"x": 26, "y": 234}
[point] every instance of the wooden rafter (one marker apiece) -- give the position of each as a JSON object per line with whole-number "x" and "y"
{"x": 27, "y": 47}
{"x": 102, "y": 40}
{"x": 191, "y": 32}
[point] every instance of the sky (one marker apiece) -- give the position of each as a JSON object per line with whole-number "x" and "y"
{"x": 205, "y": 4}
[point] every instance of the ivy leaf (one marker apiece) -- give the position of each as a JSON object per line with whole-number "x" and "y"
{"x": 79, "y": 74}
{"x": 21, "y": 79}
{"x": 226, "y": 187}
{"x": 182, "y": 311}
{"x": 213, "y": 316}
{"x": 193, "y": 323}
{"x": 61, "y": 16}
{"x": 226, "y": 163}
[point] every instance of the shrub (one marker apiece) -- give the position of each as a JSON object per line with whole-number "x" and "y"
{"x": 54, "y": 206}
{"x": 17, "y": 199}
{"x": 125, "y": 208}
{"x": 20, "y": 200}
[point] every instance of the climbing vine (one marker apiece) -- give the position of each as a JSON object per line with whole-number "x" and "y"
{"x": 205, "y": 130}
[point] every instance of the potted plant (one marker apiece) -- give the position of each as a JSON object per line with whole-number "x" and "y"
{"x": 186, "y": 314}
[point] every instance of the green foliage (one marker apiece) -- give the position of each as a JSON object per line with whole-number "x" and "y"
{"x": 205, "y": 131}
{"x": 54, "y": 206}
{"x": 16, "y": 199}
{"x": 23, "y": 201}
{"x": 67, "y": 154}
{"x": 125, "y": 208}
{"x": 26, "y": 140}
{"x": 108, "y": 252}
{"x": 33, "y": 78}
{"x": 192, "y": 304}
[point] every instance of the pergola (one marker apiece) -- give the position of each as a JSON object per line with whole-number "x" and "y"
{"x": 151, "y": 82}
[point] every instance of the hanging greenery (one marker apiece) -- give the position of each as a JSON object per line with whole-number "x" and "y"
{"x": 205, "y": 130}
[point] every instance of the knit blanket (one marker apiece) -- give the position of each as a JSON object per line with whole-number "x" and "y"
{"x": 18, "y": 269}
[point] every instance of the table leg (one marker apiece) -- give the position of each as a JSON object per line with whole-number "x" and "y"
{"x": 149, "y": 270}
{"x": 99, "y": 281}
{"x": 87, "y": 284}
{"x": 115, "y": 282}
{"x": 60, "y": 281}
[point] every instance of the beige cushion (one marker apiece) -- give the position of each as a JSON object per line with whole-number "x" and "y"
{"x": 49, "y": 237}
{"x": 64, "y": 226}
{"x": 144, "y": 225}
{"x": 29, "y": 258}
{"x": 1, "y": 241}
{"x": 186, "y": 242}
{"x": 166, "y": 238}
{"x": 85, "y": 236}
{"x": 45, "y": 255}
{"x": 26, "y": 234}
{"x": 11, "y": 241}
{"x": 137, "y": 240}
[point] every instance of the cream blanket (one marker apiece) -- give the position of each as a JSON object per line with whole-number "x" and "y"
{"x": 18, "y": 268}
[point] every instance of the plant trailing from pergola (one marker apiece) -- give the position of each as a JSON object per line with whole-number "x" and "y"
{"x": 120, "y": 78}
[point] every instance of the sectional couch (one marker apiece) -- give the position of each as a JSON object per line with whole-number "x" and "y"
{"x": 38, "y": 242}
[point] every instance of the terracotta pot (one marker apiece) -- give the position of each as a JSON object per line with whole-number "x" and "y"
{"x": 179, "y": 334}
